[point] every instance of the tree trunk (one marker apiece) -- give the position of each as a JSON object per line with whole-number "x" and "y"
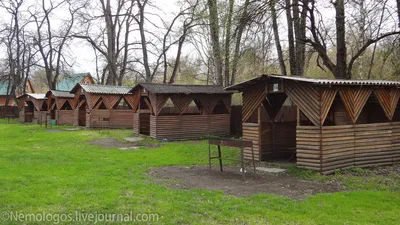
{"x": 341, "y": 51}
{"x": 228, "y": 42}
{"x": 240, "y": 29}
{"x": 277, "y": 40}
{"x": 178, "y": 59}
{"x": 292, "y": 55}
{"x": 110, "y": 28}
{"x": 300, "y": 44}
{"x": 143, "y": 41}
{"x": 214, "y": 33}
{"x": 398, "y": 11}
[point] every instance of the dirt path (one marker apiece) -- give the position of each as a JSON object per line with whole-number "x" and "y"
{"x": 114, "y": 143}
{"x": 231, "y": 182}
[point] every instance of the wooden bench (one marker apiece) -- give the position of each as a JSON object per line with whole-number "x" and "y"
{"x": 231, "y": 143}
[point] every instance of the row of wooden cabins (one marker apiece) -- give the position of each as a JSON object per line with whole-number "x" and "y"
{"x": 160, "y": 111}
{"x": 337, "y": 123}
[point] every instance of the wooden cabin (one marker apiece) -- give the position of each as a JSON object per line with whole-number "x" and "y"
{"x": 5, "y": 92}
{"x": 33, "y": 108}
{"x": 61, "y": 107}
{"x": 103, "y": 106}
{"x": 340, "y": 123}
{"x": 69, "y": 81}
{"x": 166, "y": 111}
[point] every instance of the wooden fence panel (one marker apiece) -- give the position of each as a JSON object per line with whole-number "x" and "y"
{"x": 98, "y": 118}
{"x": 308, "y": 147}
{"x": 9, "y": 111}
{"x": 121, "y": 118}
{"x": 251, "y": 133}
{"x": 189, "y": 126}
{"x": 347, "y": 146}
{"x": 65, "y": 117}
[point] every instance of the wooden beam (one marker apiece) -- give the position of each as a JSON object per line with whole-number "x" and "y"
{"x": 181, "y": 101}
{"x": 110, "y": 100}
{"x": 160, "y": 102}
{"x": 388, "y": 99}
{"x": 327, "y": 98}
{"x": 252, "y": 99}
{"x": 307, "y": 98}
{"x": 146, "y": 100}
{"x": 354, "y": 100}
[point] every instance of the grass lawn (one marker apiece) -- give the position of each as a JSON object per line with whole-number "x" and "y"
{"x": 62, "y": 173}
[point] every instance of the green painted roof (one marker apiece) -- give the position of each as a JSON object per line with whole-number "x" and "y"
{"x": 3, "y": 87}
{"x": 70, "y": 81}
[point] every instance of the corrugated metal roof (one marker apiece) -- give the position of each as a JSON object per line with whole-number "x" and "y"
{"x": 70, "y": 81}
{"x": 60, "y": 94}
{"x": 3, "y": 87}
{"x": 102, "y": 89}
{"x": 315, "y": 81}
{"x": 182, "y": 89}
{"x": 35, "y": 96}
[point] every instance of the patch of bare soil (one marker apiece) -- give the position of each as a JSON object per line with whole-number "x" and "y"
{"x": 231, "y": 182}
{"x": 114, "y": 143}
{"x": 54, "y": 131}
{"x": 373, "y": 171}
{"x": 60, "y": 130}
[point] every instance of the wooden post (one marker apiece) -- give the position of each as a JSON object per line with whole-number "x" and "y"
{"x": 220, "y": 158}
{"x": 298, "y": 116}
{"x": 242, "y": 165}
{"x": 209, "y": 156}
{"x": 259, "y": 133}
{"x": 139, "y": 106}
{"x": 254, "y": 163}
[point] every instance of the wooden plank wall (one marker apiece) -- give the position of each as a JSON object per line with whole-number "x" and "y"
{"x": 116, "y": 118}
{"x": 65, "y": 117}
{"x": 76, "y": 116}
{"x": 337, "y": 147}
{"x": 308, "y": 150}
{"x": 136, "y": 123}
{"x": 35, "y": 119}
{"x": 39, "y": 117}
{"x": 189, "y": 126}
{"x": 6, "y": 111}
{"x": 22, "y": 115}
{"x": 396, "y": 141}
{"x": 96, "y": 118}
{"x": 346, "y": 146}
{"x": 121, "y": 118}
{"x": 251, "y": 133}
{"x": 373, "y": 144}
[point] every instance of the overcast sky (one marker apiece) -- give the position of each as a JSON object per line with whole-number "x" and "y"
{"x": 83, "y": 54}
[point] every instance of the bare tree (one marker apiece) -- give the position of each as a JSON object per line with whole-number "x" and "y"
{"x": 113, "y": 41}
{"x": 51, "y": 43}
{"x": 187, "y": 14}
{"x": 20, "y": 55}
{"x": 343, "y": 67}
{"x": 188, "y": 24}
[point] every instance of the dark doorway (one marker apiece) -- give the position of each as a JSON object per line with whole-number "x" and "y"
{"x": 29, "y": 108}
{"x": 82, "y": 115}
{"x": 144, "y": 116}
